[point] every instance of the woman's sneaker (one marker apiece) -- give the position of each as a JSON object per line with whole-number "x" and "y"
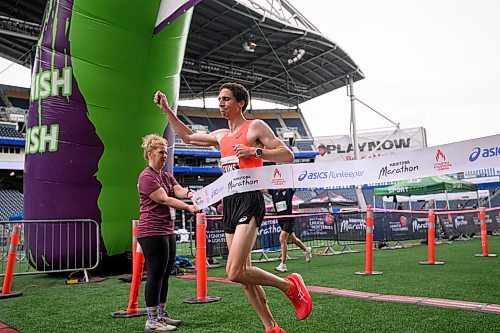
{"x": 166, "y": 320}
{"x": 156, "y": 326}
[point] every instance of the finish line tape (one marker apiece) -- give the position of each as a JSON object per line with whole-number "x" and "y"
{"x": 434, "y": 161}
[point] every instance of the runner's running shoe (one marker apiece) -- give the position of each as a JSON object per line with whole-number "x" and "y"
{"x": 281, "y": 268}
{"x": 299, "y": 296}
{"x": 276, "y": 329}
{"x": 309, "y": 254}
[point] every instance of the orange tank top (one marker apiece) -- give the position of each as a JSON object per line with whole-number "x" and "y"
{"x": 228, "y": 159}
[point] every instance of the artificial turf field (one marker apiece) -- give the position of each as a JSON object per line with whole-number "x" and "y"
{"x": 49, "y": 305}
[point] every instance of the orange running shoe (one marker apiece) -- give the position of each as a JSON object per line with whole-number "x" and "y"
{"x": 299, "y": 296}
{"x": 276, "y": 329}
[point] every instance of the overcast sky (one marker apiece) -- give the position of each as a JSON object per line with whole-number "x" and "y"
{"x": 429, "y": 63}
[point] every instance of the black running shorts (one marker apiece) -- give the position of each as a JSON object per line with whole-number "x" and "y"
{"x": 239, "y": 208}
{"x": 287, "y": 224}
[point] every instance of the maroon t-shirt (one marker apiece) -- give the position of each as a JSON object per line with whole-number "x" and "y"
{"x": 155, "y": 219}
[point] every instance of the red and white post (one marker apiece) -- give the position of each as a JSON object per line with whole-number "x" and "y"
{"x": 484, "y": 234}
{"x": 137, "y": 269}
{"x": 11, "y": 262}
{"x": 369, "y": 244}
{"x": 201, "y": 263}
{"x": 431, "y": 244}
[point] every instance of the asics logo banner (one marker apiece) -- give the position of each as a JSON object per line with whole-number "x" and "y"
{"x": 328, "y": 175}
{"x": 485, "y": 153}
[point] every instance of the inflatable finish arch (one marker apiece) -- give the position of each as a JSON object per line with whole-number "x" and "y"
{"x": 98, "y": 64}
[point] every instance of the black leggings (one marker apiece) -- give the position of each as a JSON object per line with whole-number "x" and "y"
{"x": 159, "y": 253}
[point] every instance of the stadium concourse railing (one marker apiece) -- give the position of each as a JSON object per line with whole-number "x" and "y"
{"x": 52, "y": 246}
{"x": 336, "y": 233}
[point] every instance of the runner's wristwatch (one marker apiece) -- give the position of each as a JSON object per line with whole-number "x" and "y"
{"x": 258, "y": 153}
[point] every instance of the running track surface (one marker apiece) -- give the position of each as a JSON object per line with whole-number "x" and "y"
{"x": 438, "y": 302}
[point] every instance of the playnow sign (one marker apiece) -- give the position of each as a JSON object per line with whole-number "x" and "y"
{"x": 340, "y": 147}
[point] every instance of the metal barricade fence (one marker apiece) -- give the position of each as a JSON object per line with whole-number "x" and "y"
{"x": 52, "y": 246}
{"x": 350, "y": 229}
{"x": 341, "y": 229}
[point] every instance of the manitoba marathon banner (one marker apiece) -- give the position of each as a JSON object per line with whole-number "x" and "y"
{"x": 434, "y": 161}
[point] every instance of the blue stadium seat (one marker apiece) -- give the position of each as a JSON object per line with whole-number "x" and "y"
{"x": 304, "y": 145}
{"x": 296, "y": 122}
{"x": 20, "y": 103}
{"x": 273, "y": 123}
{"x": 9, "y": 132}
{"x": 212, "y": 123}
{"x": 305, "y": 195}
{"x": 11, "y": 202}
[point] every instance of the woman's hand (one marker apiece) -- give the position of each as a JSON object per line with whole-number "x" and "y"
{"x": 193, "y": 209}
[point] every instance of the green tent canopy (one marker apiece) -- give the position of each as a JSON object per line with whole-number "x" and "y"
{"x": 426, "y": 185}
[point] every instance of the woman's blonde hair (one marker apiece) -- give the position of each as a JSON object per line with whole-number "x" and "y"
{"x": 151, "y": 142}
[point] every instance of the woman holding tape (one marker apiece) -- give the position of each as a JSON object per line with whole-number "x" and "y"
{"x": 159, "y": 194}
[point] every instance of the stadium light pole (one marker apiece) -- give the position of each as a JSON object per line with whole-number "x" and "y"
{"x": 353, "y": 119}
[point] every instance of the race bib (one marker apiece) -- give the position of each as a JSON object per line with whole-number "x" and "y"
{"x": 281, "y": 206}
{"x": 230, "y": 163}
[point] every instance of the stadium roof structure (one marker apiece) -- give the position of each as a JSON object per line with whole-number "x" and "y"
{"x": 266, "y": 45}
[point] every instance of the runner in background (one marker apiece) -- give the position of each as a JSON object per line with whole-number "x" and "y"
{"x": 282, "y": 200}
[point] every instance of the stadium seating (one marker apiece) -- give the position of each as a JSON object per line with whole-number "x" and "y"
{"x": 296, "y": 122}
{"x": 20, "y": 103}
{"x": 305, "y": 195}
{"x": 11, "y": 202}
{"x": 368, "y": 193}
{"x": 273, "y": 123}
{"x": 212, "y": 123}
{"x": 346, "y": 192}
{"x": 9, "y": 132}
{"x": 183, "y": 146}
{"x": 304, "y": 145}
{"x": 495, "y": 200}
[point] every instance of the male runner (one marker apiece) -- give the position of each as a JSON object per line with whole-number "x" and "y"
{"x": 245, "y": 144}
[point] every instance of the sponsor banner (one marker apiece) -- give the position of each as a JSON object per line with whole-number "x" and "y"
{"x": 211, "y": 193}
{"x": 495, "y": 217}
{"x": 434, "y": 161}
{"x": 418, "y": 228}
{"x": 352, "y": 227}
{"x": 216, "y": 238}
{"x": 465, "y": 223}
{"x": 268, "y": 236}
{"x": 396, "y": 226}
{"x": 446, "y": 222}
{"x": 315, "y": 227}
{"x": 340, "y": 147}
{"x": 272, "y": 176}
{"x": 468, "y": 223}
{"x": 308, "y": 175}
